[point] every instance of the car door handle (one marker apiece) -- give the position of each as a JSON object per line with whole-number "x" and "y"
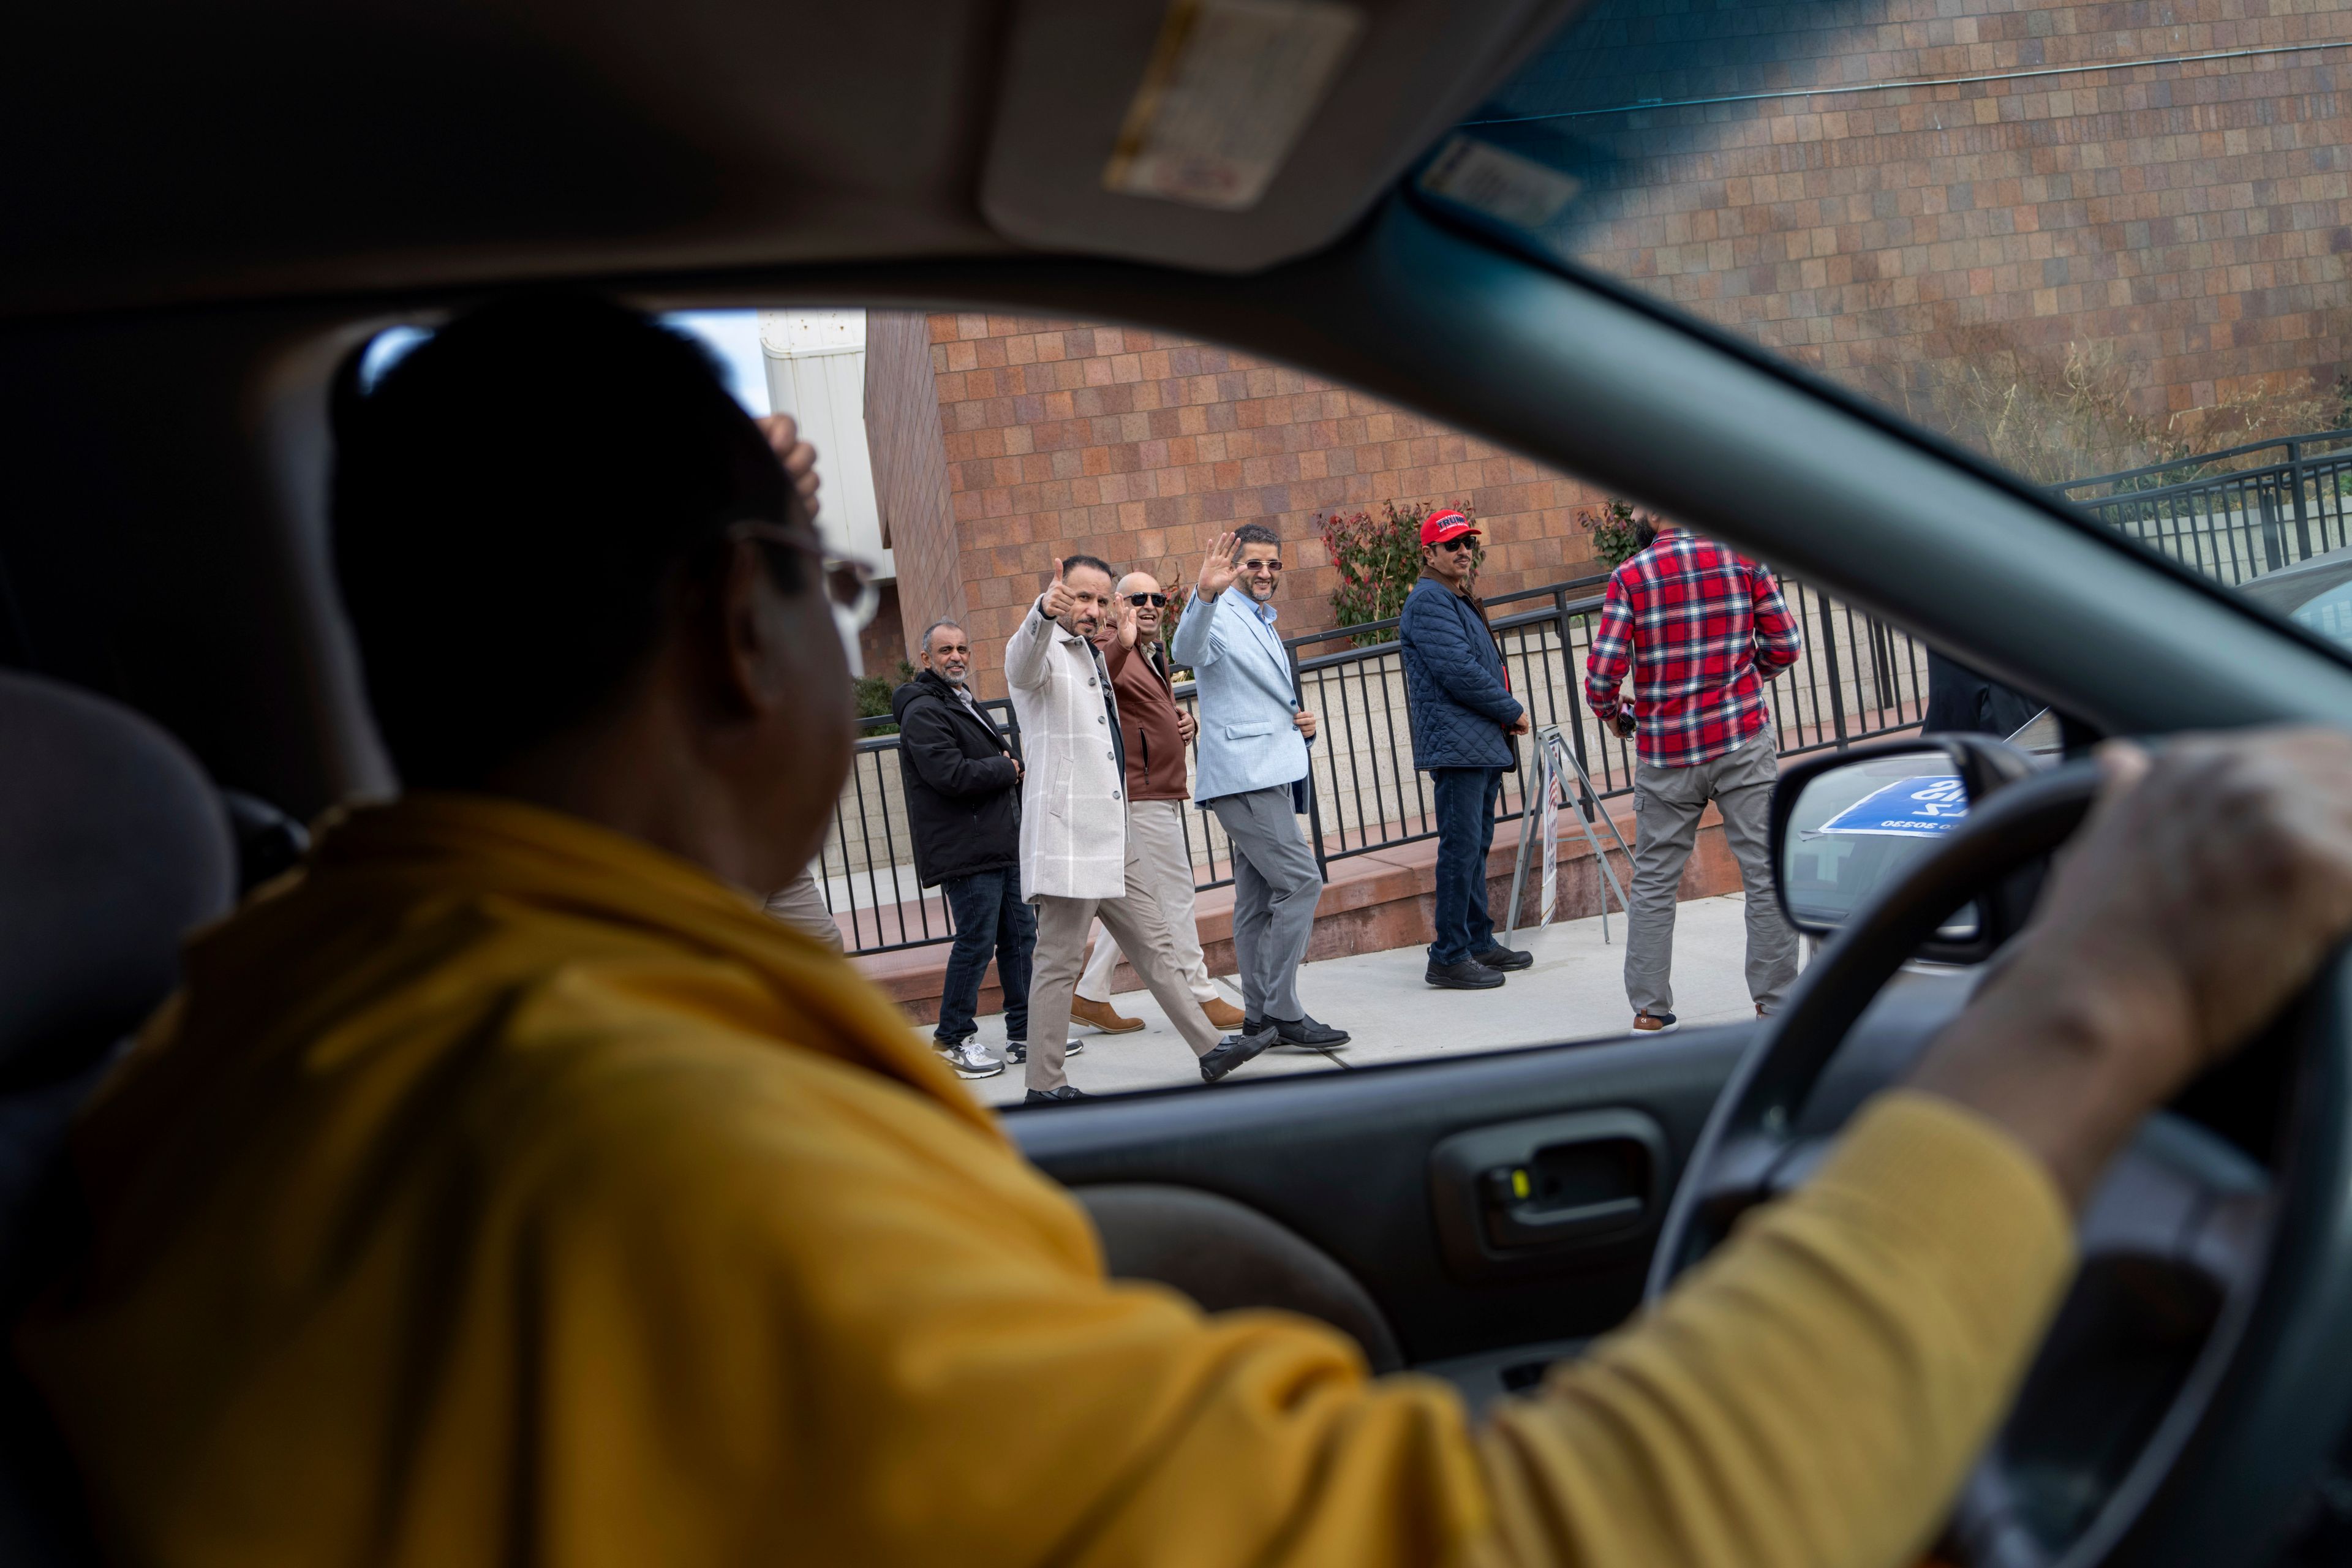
{"x": 1522, "y": 1224}
{"x": 1524, "y": 1191}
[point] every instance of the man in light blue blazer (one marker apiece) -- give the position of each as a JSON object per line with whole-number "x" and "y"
{"x": 1251, "y": 750}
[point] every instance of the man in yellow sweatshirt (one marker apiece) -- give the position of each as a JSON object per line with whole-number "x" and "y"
{"x": 505, "y": 1187}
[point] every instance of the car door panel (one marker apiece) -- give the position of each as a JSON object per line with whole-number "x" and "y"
{"x": 1355, "y": 1166}
{"x": 1344, "y": 1161}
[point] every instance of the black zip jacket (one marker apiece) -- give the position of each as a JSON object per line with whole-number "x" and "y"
{"x": 963, "y": 794}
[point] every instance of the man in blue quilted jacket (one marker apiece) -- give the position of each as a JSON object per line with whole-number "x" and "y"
{"x": 1464, "y": 721}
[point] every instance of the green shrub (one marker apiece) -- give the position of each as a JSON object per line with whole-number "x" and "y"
{"x": 1178, "y": 596}
{"x": 1377, "y": 560}
{"x": 873, "y": 693}
{"x": 1619, "y": 532}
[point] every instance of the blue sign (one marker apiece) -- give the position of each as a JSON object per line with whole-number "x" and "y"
{"x": 1918, "y": 808}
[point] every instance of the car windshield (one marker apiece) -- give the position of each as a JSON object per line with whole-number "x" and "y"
{"x": 2104, "y": 245}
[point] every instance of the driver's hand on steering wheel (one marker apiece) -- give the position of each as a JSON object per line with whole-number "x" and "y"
{"x": 2201, "y": 894}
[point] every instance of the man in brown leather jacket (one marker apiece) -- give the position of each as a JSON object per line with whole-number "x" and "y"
{"x": 1158, "y": 789}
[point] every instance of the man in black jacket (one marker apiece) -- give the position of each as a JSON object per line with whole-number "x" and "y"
{"x": 963, "y": 801}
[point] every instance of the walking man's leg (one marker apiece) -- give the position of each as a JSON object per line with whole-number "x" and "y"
{"x": 1264, "y": 834}
{"x": 1666, "y": 806}
{"x": 1141, "y": 929}
{"x": 1743, "y": 797}
{"x": 1157, "y": 827}
{"x": 1094, "y": 981}
{"x": 1053, "y": 979}
{"x": 1252, "y": 900}
{"x": 1016, "y": 944}
{"x": 976, "y": 902}
{"x": 1092, "y": 1003}
{"x": 799, "y": 903}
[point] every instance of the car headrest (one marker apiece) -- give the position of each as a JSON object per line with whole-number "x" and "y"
{"x": 115, "y": 845}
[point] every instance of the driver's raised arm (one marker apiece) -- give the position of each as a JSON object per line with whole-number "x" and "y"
{"x": 973, "y": 1390}
{"x": 1813, "y": 1394}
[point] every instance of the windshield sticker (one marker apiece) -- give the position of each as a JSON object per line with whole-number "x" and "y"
{"x": 1502, "y": 185}
{"x": 1918, "y": 807}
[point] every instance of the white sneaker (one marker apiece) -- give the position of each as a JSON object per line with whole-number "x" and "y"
{"x": 971, "y": 1059}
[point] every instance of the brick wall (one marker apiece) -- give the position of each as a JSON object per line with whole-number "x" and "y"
{"x": 910, "y": 478}
{"x": 2187, "y": 224}
{"x": 2191, "y": 219}
{"x": 1141, "y": 448}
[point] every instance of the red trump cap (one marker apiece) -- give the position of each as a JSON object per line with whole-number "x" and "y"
{"x": 1440, "y": 526}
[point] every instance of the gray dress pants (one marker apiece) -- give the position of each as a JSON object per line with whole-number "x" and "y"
{"x": 1666, "y": 806}
{"x": 1276, "y": 885}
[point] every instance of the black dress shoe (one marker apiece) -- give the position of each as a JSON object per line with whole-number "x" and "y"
{"x": 1501, "y": 957}
{"x": 1062, "y": 1096}
{"x": 1017, "y": 1051}
{"x": 1232, "y": 1051}
{"x": 1463, "y": 975}
{"x": 1304, "y": 1031}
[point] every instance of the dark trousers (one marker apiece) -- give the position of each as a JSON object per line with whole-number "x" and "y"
{"x": 1467, "y": 799}
{"x": 989, "y": 921}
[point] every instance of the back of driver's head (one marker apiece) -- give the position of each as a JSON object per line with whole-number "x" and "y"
{"x": 512, "y": 503}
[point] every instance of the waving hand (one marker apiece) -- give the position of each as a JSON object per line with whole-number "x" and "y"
{"x": 1217, "y": 568}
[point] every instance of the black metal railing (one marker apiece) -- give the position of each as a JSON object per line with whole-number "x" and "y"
{"x": 2236, "y": 514}
{"x": 2232, "y": 514}
{"x": 1858, "y": 677}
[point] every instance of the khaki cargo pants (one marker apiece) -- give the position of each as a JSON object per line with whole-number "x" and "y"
{"x": 1667, "y": 802}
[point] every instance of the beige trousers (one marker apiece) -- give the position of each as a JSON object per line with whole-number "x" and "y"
{"x": 1136, "y": 923}
{"x": 1156, "y": 828}
{"x": 799, "y": 903}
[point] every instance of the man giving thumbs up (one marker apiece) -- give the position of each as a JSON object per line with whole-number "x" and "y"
{"x": 1077, "y": 858}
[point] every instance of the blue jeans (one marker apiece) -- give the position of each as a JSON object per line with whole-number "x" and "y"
{"x": 1467, "y": 799}
{"x": 989, "y": 921}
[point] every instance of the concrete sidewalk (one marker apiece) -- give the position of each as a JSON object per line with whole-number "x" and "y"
{"x": 1576, "y": 991}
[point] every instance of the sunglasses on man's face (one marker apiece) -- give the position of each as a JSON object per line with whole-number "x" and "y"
{"x": 1458, "y": 544}
{"x": 1157, "y": 601}
{"x": 1261, "y": 565}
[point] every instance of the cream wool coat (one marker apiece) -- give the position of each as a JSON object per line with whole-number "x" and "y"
{"x": 1073, "y": 796}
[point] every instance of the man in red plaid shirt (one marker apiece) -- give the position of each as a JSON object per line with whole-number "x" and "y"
{"x": 1700, "y": 630}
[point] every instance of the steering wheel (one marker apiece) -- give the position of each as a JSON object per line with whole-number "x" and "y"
{"x": 2200, "y": 1371}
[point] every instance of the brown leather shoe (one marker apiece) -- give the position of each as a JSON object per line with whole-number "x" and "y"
{"x": 1222, "y": 1013}
{"x": 1103, "y": 1016}
{"x": 1653, "y": 1023}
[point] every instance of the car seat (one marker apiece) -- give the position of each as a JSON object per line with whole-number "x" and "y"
{"x": 269, "y": 843}
{"x": 115, "y": 844}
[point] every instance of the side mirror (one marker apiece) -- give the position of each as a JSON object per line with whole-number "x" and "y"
{"x": 1849, "y": 825}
